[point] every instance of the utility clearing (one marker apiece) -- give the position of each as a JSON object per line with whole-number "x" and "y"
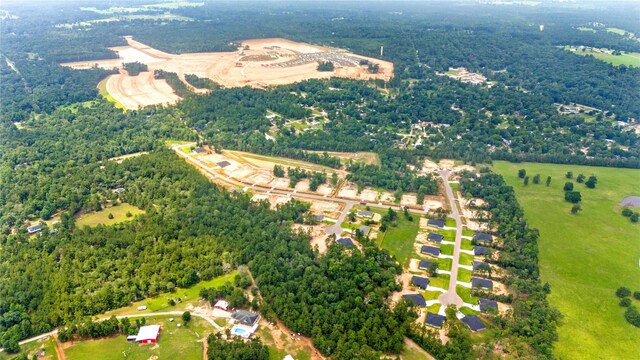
{"x": 256, "y": 63}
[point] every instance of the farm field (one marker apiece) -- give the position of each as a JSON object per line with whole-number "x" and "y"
{"x": 174, "y": 343}
{"x": 584, "y": 257}
{"x": 257, "y": 63}
{"x": 119, "y": 213}
{"x": 626, "y": 58}
{"x": 161, "y": 302}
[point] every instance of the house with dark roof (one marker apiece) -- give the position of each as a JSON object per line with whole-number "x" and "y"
{"x": 246, "y": 318}
{"x": 200, "y": 150}
{"x": 34, "y": 228}
{"x": 364, "y": 229}
{"x": 424, "y": 264}
{"x": 435, "y": 320}
{"x": 417, "y": 299}
{"x": 478, "y": 265}
{"x": 420, "y": 282}
{"x": 474, "y": 323}
{"x": 365, "y": 213}
{"x": 346, "y": 242}
{"x": 481, "y": 283}
{"x": 487, "y": 305}
{"x": 479, "y": 250}
{"x": 431, "y": 250}
{"x": 223, "y": 164}
{"x": 482, "y": 237}
{"x": 437, "y": 238}
{"x": 436, "y": 223}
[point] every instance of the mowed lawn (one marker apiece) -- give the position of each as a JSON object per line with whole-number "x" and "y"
{"x": 119, "y": 213}
{"x": 186, "y": 296}
{"x": 585, "y": 257}
{"x": 173, "y": 343}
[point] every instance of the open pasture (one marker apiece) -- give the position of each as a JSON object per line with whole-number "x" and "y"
{"x": 585, "y": 257}
{"x": 173, "y": 343}
{"x": 119, "y": 213}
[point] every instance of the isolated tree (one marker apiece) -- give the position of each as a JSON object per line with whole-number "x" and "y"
{"x": 334, "y": 179}
{"x": 626, "y": 212}
{"x": 548, "y": 180}
{"x": 110, "y": 216}
{"x": 186, "y": 317}
{"x": 536, "y": 179}
{"x": 626, "y": 302}
{"x": 573, "y": 196}
{"x": 568, "y": 186}
{"x": 526, "y": 180}
{"x": 636, "y": 295}
{"x": 591, "y": 182}
{"x": 580, "y": 179}
{"x": 522, "y": 173}
{"x": 576, "y": 209}
{"x": 623, "y": 292}
{"x": 569, "y": 175}
{"x": 278, "y": 171}
{"x": 433, "y": 269}
{"x": 635, "y": 217}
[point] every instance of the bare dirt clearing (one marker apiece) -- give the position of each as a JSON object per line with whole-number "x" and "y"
{"x": 257, "y": 63}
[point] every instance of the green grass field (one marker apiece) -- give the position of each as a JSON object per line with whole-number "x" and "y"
{"x": 119, "y": 213}
{"x": 173, "y": 343}
{"x": 466, "y": 244}
{"x": 448, "y": 235}
{"x": 464, "y": 275}
{"x": 442, "y": 281}
{"x": 616, "y": 31}
{"x": 465, "y": 294}
{"x": 626, "y": 58}
{"x": 450, "y": 222}
{"x": 431, "y": 295}
{"x": 161, "y": 302}
{"x": 446, "y": 249}
{"x": 399, "y": 240}
{"x": 585, "y": 257}
{"x": 466, "y": 259}
{"x": 445, "y": 264}
{"x": 467, "y": 232}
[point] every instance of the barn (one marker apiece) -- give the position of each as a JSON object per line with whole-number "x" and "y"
{"x": 148, "y": 334}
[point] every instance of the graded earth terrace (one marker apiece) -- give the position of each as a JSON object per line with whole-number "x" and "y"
{"x": 257, "y": 63}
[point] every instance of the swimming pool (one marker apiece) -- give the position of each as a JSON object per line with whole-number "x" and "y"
{"x": 236, "y": 330}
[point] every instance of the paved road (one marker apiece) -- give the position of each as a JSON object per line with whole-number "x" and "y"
{"x": 451, "y": 297}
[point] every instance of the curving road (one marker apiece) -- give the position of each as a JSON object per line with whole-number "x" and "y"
{"x": 450, "y": 297}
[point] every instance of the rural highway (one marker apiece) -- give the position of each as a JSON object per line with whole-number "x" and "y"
{"x": 451, "y": 297}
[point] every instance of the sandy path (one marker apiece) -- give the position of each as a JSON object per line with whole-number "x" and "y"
{"x": 59, "y": 350}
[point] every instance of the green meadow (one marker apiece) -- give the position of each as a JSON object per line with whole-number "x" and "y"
{"x": 585, "y": 257}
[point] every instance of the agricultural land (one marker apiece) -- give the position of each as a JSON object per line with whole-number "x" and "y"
{"x": 585, "y": 257}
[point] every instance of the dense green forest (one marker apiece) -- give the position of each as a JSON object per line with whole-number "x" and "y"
{"x": 57, "y": 136}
